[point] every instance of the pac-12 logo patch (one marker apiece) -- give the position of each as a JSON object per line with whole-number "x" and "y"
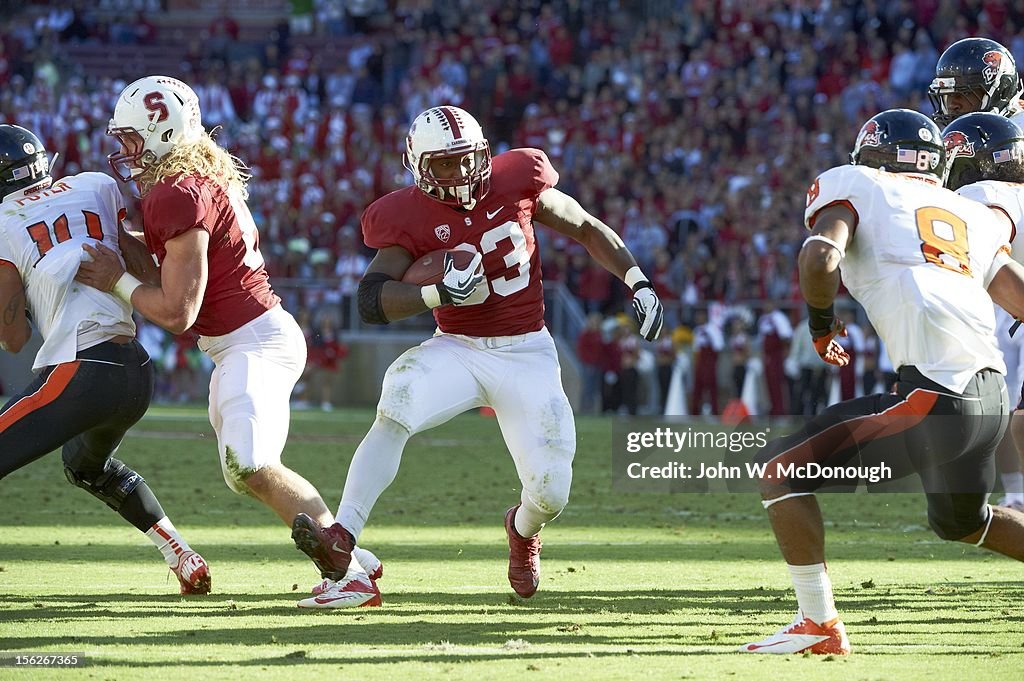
{"x": 443, "y": 232}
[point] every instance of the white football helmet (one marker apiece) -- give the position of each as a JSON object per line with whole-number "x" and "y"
{"x": 153, "y": 115}
{"x": 449, "y": 132}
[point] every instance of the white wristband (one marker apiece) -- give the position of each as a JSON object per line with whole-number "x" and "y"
{"x": 431, "y": 296}
{"x": 634, "y": 276}
{"x": 125, "y": 287}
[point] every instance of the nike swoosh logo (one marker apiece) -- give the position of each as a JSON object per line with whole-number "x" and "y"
{"x": 343, "y": 596}
{"x": 462, "y": 282}
{"x": 807, "y": 640}
{"x": 490, "y": 215}
{"x": 334, "y": 547}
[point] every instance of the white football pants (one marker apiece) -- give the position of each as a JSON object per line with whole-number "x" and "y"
{"x": 518, "y": 376}
{"x": 257, "y": 366}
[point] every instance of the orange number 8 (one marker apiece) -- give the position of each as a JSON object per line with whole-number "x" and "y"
{"x": 934, "y": 246}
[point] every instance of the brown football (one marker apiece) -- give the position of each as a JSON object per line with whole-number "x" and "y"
{"x": 430, "y": 268}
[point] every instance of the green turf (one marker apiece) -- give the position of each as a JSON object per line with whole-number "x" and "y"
{"x": 641, "y": 586}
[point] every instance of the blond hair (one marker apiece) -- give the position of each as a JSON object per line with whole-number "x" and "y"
{"x": 204, "y": 157}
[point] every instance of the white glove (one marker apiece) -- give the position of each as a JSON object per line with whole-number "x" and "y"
{"x": 459, "y": 285}
{"x": 649, "y": 311}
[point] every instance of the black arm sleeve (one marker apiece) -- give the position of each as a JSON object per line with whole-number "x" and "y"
{"x": 368, "y": 295}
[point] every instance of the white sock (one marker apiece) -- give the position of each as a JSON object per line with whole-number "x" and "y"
{"x": 166, "y": 538}
{"x": 1013, "y": 484}
{"x": 374, "y": 466}
{"x": 814, "y": 592}
{"x": 530, "y": 519}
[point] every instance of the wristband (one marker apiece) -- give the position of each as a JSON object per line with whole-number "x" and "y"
{"x": 125, "y": 287}
{"x": 431, "y": 296}
{"x": 633, "y": 277}
{"x": 820, "y": 319}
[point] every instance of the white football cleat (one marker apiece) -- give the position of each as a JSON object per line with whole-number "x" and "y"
{"x": 805, "y": 636}
{"x": 357, "y": 590}
{"x": 370, "y": 563}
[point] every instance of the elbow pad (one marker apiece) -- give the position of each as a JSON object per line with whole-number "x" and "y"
{"x": 368, "y": 296}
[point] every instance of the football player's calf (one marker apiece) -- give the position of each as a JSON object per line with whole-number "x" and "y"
{"x": 127, "y": 493}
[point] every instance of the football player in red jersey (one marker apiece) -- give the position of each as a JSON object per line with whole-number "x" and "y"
{"x": 491, "y": 347}
{"x": 211, "y": 280}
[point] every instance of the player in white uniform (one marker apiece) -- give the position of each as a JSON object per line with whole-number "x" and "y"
{"x": 919, "y": 259}
{"x": 980, "y": 75}
{"x": 95, "y": 380}
{"x": 986, "y": 164}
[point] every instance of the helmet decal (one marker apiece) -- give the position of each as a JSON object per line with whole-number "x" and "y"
{"x": 958, "y": 144}
{"x": 993, "y": 65}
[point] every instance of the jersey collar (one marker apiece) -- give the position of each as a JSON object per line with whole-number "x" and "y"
{"x": 23, "y": 193}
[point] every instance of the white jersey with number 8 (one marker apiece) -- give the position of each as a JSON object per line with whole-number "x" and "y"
{"x": 919, "y": 260}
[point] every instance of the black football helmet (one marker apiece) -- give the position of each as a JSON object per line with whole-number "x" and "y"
{"x": 901, "y": 141}
{"x": 982, "y": 72}
{"x": 983, "y": 146}
{"x": 23, "y": 161}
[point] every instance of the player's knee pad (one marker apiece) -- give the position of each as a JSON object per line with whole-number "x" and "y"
{"x": 953, "y": 522}
{"x": 549, "y": 490}
{"x": 112, "y": 486}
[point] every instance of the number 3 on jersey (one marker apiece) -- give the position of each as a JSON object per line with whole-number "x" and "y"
{"x": 943, "y": 234}
{"x": 518, "y": 259}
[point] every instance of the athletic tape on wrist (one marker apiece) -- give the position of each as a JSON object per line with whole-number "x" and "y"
{"x": 431, "y": 296}
{"x": 634, "y": 276}
{"x": 125, "y": 287}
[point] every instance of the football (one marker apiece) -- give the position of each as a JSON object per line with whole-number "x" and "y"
{"x": 430, "y": 268}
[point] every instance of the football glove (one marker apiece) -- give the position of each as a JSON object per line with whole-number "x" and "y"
{"x": 459, "y": 284}
{"x": 649, "y": 311}
{"x": 828, "y": 348}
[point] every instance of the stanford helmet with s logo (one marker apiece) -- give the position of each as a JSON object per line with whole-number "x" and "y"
{"x": 152, "y": 116}
{"x": 983, "y": 146}
{"x": 448, "y": 132}
{"x": 982, "y": 72}
{"x": 901, "y": 141}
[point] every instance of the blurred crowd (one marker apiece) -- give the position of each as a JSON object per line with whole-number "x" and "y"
{"x": 692, "y": 127}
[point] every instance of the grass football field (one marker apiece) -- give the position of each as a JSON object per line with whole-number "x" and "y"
{"x": 633, "y": 586}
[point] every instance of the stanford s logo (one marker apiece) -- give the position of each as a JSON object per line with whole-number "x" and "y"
{"x": 154, "y": 102}
{"x": 443, "y": 232}
{"x": 957, "y": 144}
{"x": 993, "y": 65}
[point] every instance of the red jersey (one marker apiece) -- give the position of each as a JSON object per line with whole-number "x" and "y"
{"x": 237, "y": 287}
{"x": 500, "y": 227}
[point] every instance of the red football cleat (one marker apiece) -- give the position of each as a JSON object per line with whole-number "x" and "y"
{"x": 371, "y": 563}
{"x": 805, "y": 636}
{"x": 330, "y": 548}
{"x": 523, "y": 558}
{"x": 358, "y": 592}
{"x": 193, "y": 574}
